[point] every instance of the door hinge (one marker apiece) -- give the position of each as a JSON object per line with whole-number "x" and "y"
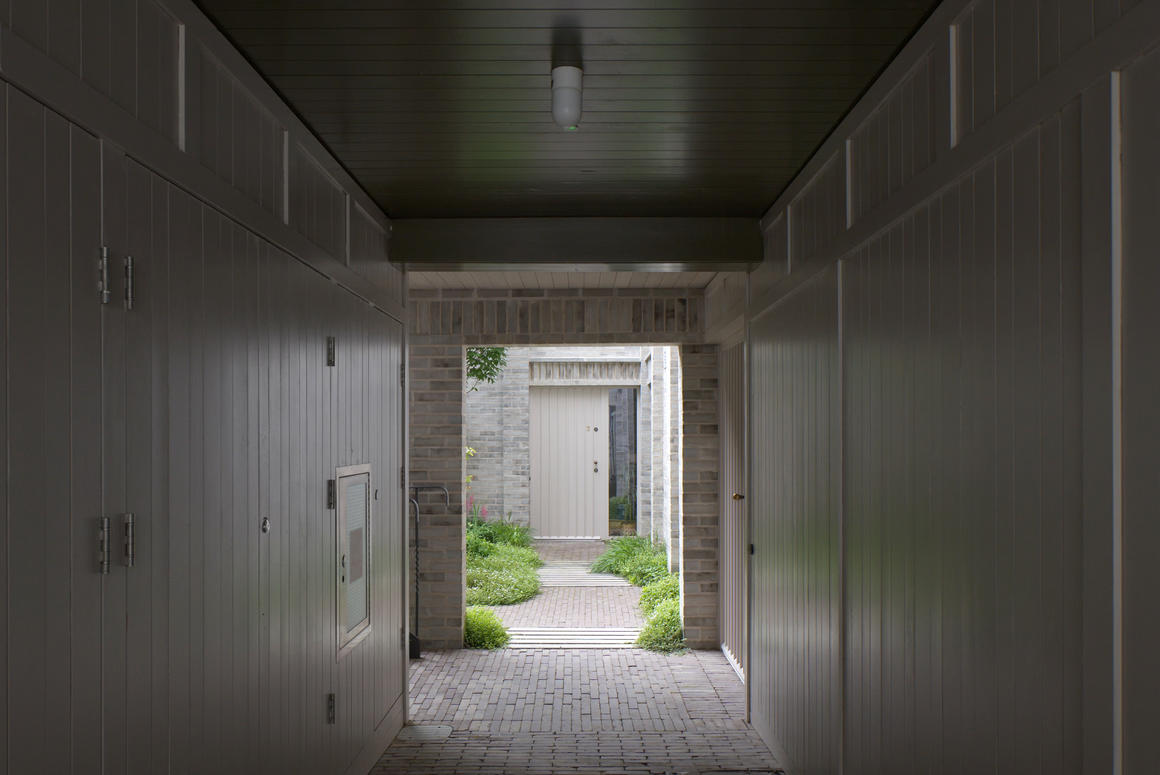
{"x": 402, "y": 375}
{"x": 128, "y": 282}
{"x": 330, "y": 351}
{"x": 103, "y": 275}
{"x": 402, "y": 476}
{"x": 130, "y": 540}
{"x": 331, "y": 708}
{"x": 104, "y": 547}
{"x": 331, "y": 494}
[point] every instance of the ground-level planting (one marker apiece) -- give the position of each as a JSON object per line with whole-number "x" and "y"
{"x": 501, "y": 570}
{"x": 645, "y": 565}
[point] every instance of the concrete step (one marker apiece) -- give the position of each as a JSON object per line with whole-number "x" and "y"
{"x": 576, "y": 574}
{"x": 572, "y": 637}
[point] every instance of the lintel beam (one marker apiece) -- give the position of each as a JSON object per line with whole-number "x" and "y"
{"x": 577, "y": 244}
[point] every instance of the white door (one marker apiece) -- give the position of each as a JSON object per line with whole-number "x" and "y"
{"x": 569, "y": 461}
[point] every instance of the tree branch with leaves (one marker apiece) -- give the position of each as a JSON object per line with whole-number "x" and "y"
{"x": 485, "y": 364}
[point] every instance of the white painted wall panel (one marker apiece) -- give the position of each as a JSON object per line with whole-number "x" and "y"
{"x": 317, "y": 204}
{"x": 795, "y": 470}
{"x": 734, "y": 543}
{"x": 979, "y": 623}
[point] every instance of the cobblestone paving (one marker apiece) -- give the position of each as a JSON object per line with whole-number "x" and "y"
{"x": 577, "y": 550}
{"x": 576, "y": 607}
{"x": 561, "y": 711}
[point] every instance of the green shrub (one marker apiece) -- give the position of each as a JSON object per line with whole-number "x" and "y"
{"x": 662, "y": 632}
{"x": 505, "y": 576}
{"x": 667, "y": 588}
{"x": 482, "y": 629}
{"x": 492, "y": 585}
{"x": 479, "y": 547}
{"x": 619, "y": 551}
{"x": 500, "y": 531}
{"x": 644, "y": 569}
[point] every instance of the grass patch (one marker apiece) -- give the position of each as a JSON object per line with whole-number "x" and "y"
{"x": 667, "y": 588}
{"x": 622, "y": 550}
{"x": 644, "y": 569}
{"x": 663, "y": 632}
{"x": 482, "y": 629}
{"x": 501, "y": 565}
{"x": 500, "y": 531}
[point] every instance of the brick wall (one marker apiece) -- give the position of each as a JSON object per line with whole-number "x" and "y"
{"x": 701, "y": 507}
{"x": 436, "y": 374}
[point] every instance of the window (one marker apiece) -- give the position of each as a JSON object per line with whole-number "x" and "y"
{"x": 353, "y": 485}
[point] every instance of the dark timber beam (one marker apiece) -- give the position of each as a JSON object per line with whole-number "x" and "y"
{"x": 577, "y": 244}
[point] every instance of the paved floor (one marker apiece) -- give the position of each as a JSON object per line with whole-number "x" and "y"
{"x": 583, "y": 711}
{"x": 575, "y": 711}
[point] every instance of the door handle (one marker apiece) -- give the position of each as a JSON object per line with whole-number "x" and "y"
{"x": 738, "y": 496}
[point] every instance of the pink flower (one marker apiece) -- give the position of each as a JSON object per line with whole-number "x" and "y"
{"x": 470, "y": 500}
{"x": 483, "y": 512}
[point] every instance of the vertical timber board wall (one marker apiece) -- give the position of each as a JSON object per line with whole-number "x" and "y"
{"x": 961, "y": 356}
{"x": 52, "y": 455}
{"x": 794, "y": 668}
{"x": 1141, "y": 427}
{"x": 201, "y": 410}
{"x": 976, "y": 308}
{"x": 699, "y": 517}
{"x": 733, "y": 550}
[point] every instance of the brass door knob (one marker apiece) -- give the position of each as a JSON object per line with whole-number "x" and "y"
{"x": 738, "y": 496}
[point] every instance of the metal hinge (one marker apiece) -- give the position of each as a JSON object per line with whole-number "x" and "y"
{"x": 104, "y": 547}
{"x": 128, "y": 282}
{"x": 402, "y": 476}
{"x": 402, "y": 375}
{"x": 331, "y": 708}
{"x": 331, "y": 494}
{"x": 103, "y": 275}
{"x": 130, "y": 541}
{"x": 330, "y": 348}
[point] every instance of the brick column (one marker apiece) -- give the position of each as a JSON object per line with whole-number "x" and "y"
{"x": 700, "y": 504}
{"x": 436, "y": 376}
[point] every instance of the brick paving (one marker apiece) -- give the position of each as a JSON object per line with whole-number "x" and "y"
{"x": 576, "y": 607}
{"x": 554, "y": 550}
{"x": 574, "y": 711}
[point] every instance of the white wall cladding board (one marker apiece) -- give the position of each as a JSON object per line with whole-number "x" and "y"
{"x": 52, "y": 420}
{"x": 1141, "y": 426}
{"x": 732, "y": 477}
{"x": 960, "y": 340}
{"x": 794, "y": 498}
{"x": 136, "y": 66}
{"x": 775, "y": 264}
{"x": 896, "y": 142}
{"x": 369, "y": 245}
{"x": 5, "y": 625}
{"x": 818, "y": 214}
{"x": 318, "y": 208}
{"x": 235, "y": 136}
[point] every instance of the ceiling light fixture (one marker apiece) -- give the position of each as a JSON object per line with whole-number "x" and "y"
{"x": 567, "y": 84}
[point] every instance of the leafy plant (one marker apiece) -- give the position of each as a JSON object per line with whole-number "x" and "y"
{"x": 643, "y": 569}
{"x": 667, "y": 588}
{"x": 482, "y": 629}
{"x": 620, "y": 550}
{"x": 502, "y": 578}
{"x": 485, "y": 364}
{"x": 663, "y": 632}
{"x": 499, "y": 531}
{"x": 478, "y": 547}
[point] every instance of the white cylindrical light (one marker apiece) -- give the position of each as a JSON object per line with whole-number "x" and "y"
{"x": 567, "y": 82}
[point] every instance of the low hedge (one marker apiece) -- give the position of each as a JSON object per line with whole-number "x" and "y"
{"x": 482, "y": 629}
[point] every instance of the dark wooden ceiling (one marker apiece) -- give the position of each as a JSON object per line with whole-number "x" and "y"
{"x": 441, "y": 108}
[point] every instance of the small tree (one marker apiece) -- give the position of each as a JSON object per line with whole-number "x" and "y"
{"x": 484, "y": 364}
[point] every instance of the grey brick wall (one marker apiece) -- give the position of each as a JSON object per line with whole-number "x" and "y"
{"x": 442, "y": 322}
{"x": 701, "y": 507}
{"x": 436, "y": 375}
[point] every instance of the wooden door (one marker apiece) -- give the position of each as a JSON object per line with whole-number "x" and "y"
{"x": 569, "y": 462}
{"x": 733, "y": 533}
{"x": 50, "y": 466}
